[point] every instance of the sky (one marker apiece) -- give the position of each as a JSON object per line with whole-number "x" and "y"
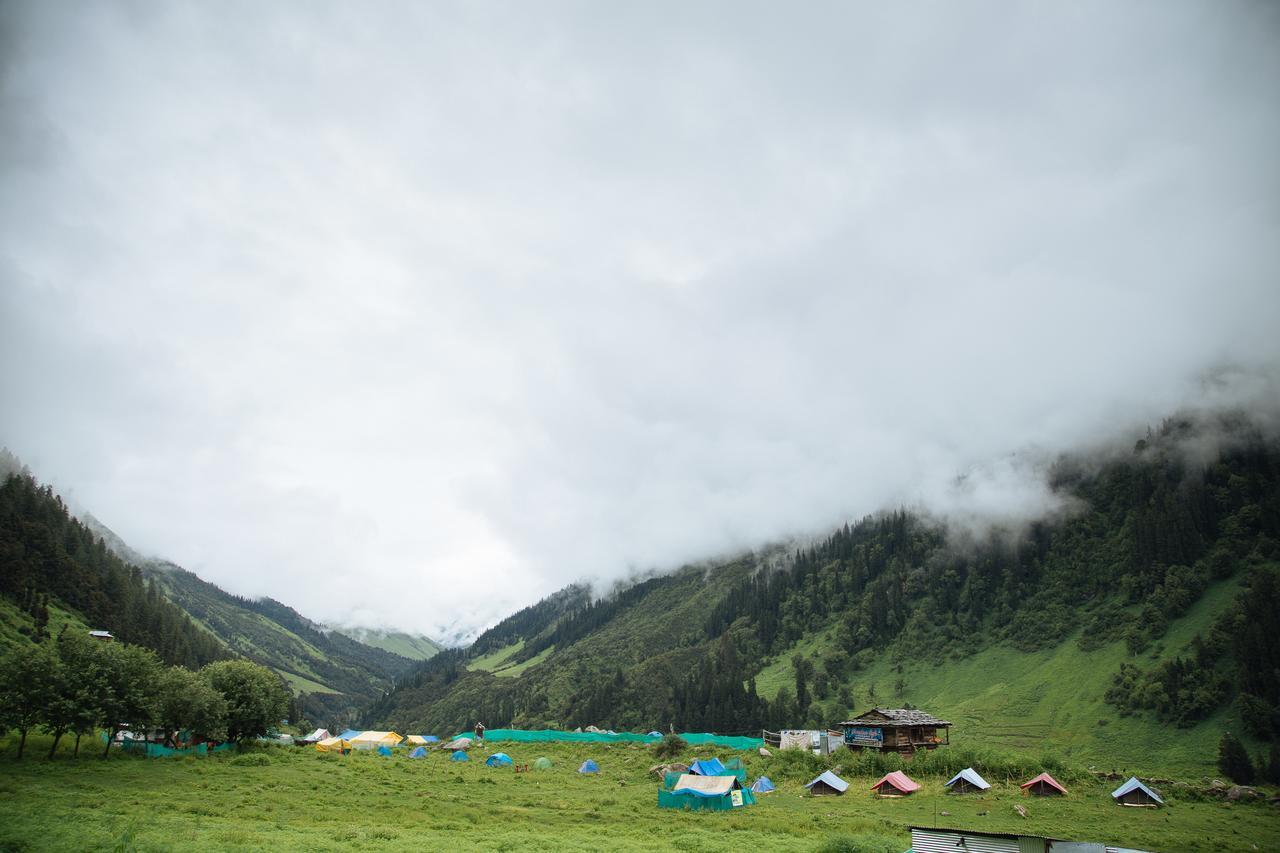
{"x": 408, "y": 314}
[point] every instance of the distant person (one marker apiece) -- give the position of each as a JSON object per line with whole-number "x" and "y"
{"x": 480, "y": 731}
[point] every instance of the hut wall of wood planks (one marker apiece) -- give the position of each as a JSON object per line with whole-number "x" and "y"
{"x": 902, "y": 730}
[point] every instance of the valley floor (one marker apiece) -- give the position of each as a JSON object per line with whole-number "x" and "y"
{"x": 297, "y": 799}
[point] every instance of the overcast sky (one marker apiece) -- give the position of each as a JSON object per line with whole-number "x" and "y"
{"x": 407, "y": 314}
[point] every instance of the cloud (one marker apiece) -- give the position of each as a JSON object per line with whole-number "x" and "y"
{"x": 446, "y": 306}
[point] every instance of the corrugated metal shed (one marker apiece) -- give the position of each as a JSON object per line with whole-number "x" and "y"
{"x": 950, "y": 841}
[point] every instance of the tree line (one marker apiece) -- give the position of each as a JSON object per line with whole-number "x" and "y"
{"x": 73, "y": 685}
{"x": 47, "y": 553}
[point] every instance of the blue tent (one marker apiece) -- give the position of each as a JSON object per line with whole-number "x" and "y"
{"x": 420, "y": 752}
{"x": 969, "y": 780}
{"x": 384, "y": 751}
{"x": 655, "y": 734}
{"x": 762, "y": 785}
{"x": 349, "y": 734}
{"x": 589, "y": 766}
{"x": 431, "y": 738}
{"x": 498, "y": 759}
{"x": 710, "y": 767}
{"x": 1134, "y": 793}
{"x": 459, "y": 756}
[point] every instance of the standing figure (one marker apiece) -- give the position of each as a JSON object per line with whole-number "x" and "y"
{"x": 480, "y": 731}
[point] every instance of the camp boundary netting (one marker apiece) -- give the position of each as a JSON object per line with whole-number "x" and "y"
{"x": 690, "y": 801}
{"x": 552, "y": 735}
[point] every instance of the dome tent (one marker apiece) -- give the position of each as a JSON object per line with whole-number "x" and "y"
{"x": 459, "y": 755}
{"x": 589, "y": 766}
{"x": 498, "y": 759}
{"x": 763, "y": 785}
{"x": 543, "y": 763}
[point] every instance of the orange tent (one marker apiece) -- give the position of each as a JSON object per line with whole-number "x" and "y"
{"x": 1044, "y": 784}
{"x": 898, "y": 782}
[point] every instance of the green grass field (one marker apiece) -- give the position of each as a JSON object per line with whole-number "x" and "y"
{"x": 297, "y": 799}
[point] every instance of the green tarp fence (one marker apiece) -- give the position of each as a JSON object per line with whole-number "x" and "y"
{"x": 548, "y": 735}
{"x": 694, "y": 803}
{"x": 158, "y": 750}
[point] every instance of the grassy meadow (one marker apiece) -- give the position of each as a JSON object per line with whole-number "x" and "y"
{"x": 275, "y": 798}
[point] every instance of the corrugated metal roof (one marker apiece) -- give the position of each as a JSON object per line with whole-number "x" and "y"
{"x": 949, "y": 841}
{"x": 896, "y": 717}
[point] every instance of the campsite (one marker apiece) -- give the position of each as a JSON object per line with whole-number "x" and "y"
{"x": 271, "y": 797}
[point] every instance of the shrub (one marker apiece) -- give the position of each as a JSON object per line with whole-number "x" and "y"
{"x": 671, "y": 746}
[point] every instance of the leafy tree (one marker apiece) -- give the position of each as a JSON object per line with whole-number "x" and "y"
{"x": 188, "y": 701}
{"x": 128, "y": 691}
{"x": 27, "y": 684}
{"x": 1233, "y": 760}
{"x": 255, "y": 698}
{"x": 76, "y": 686}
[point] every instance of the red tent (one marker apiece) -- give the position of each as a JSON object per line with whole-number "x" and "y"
{"x": 1044, "y": 784}
{"x": 898, "y": 782}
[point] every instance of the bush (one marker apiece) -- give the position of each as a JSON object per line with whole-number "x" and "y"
{"x": 671, "y": 746}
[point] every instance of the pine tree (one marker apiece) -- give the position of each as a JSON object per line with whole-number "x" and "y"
{"x": 1233, "y": 760}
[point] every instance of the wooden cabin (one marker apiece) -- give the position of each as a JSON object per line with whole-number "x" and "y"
{"x": 899, "y": 730}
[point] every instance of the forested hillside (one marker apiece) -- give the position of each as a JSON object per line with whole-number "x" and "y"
{"x": 56, "y": 569}
{"x": 333, "y": 674}
{"x": 1154, "y": 602}
{"x": 48, "y": 559}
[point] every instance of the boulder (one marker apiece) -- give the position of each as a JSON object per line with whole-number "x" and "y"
{"x": 766, "y": 753}
{"x": 1240, "y": 792}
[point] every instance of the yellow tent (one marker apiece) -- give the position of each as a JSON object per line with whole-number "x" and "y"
{"x": 331, "y": 744}
{"x": 373, "y": 740}
{"x": 416, "y": 740}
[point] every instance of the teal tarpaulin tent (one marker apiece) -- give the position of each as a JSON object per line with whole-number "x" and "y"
{"x": 459, "y": 755}
{"x": 589, "y": 766}
{"x": 498, "y": 759}
{"x": 420, "y": 752}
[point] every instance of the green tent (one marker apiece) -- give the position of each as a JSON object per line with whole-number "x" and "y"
{"x": 705, "y": 793}
{"x": 543, "y": 763}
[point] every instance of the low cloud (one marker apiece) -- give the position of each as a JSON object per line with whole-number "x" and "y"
{"x": 411, "y": 314}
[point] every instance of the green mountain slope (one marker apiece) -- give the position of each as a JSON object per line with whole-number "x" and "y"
{"x": 1132, "y": 631}
{"x": 333, "y": 674}
{"x": 57, "y": 569}
{"x": 411, "y": 646}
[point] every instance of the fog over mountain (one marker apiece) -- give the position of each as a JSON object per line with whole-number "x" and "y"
{"x": 407, "y": 314}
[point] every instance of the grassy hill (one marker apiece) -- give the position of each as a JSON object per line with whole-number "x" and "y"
{"x": 411, "y": 646}
{"x": 1130, "y": 633}
{"x": 333, "y": 674}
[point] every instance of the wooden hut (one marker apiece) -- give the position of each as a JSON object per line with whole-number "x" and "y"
{"x": 1044, "y": 785}
{"x": 902, "y": 730}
